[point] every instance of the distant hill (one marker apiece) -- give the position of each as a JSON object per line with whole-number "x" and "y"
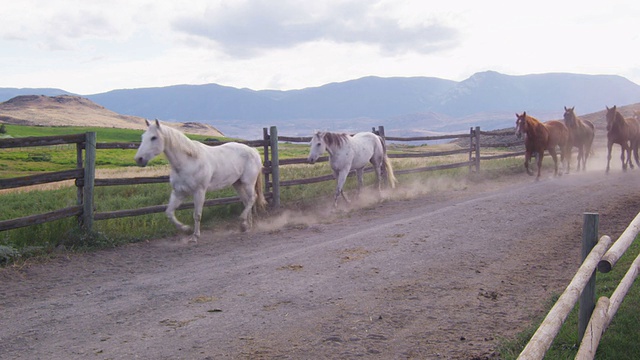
{"x": 405, "y": 106}
{"x": 68, "y": 110}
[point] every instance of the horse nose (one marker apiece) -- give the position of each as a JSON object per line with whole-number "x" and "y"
{"x": 140, "y": 161}
{"x": 311, "y": 160}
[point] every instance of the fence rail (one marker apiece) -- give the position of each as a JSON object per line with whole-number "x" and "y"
{"x": 594, "y": 317}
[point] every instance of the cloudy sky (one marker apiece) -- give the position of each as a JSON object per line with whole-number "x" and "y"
{"x": 91, "y": 46}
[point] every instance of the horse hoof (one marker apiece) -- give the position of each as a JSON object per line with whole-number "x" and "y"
{"x": 190, "y": 240}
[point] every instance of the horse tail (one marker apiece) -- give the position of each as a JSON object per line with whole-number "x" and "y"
{"x": 387, "y": 164}
{"x": 261, "y": 202}
{"x": 389, "y": 169}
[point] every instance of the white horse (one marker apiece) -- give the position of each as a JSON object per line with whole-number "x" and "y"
{"x": 348, "y": 153}
{"x": 197, "y": 168}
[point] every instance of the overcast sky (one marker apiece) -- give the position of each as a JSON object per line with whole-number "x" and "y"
{"x": 90, "y": 46}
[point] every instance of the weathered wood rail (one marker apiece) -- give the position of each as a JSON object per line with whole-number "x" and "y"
{"x": 593, "y": 318}
{"x": 85, "y": 181}
{"x": 84, "y": 171}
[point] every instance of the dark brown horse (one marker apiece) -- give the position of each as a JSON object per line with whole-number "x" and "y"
{"x": 625, "y": 132}
{"x": 581, "y": 133}
{"x": 540, "y": 137}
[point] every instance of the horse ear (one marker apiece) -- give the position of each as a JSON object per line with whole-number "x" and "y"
{"x": 607, "y": 107}
{"x": 147, "y": 122}
{"x": 157, "y": 123}
{"x": 565, "y": 109}
{"x": 524, "y": 114}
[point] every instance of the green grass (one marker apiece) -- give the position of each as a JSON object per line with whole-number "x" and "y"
{"x": 620, "y": 341}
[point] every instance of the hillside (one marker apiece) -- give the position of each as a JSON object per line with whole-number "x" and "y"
{"x": 68, "y": 110}
{"x": 406, "y": 106}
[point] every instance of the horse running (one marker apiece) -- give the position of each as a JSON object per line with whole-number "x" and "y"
{"x": 540, "y": 137}
{"x": 197, "y": 168}
{"x": 625, "y": 132}
{"x": 581, "y": 133}
{"x": 348, "y": 153}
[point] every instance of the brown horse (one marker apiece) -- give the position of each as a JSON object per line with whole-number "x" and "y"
{"x": 540, "y": 137}
{"x": 625, "y": 132}
{"x": 581, "y": 133}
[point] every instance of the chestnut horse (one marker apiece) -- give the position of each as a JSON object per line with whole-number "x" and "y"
{"x": 581, "y": 133}
{"x": 625, "y": 132}
{"x": 540, "y": 137}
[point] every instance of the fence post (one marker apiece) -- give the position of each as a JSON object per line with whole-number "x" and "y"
{"x": 477, "y": 149}
{"x": 267, "y": 163}
{"x": 79, "y": 165}
{"x": 588, "y": 296}
{"x": 275, "y": 166}
{"x": 89, "y": 177}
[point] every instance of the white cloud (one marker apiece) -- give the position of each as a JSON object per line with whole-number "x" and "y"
{"x": 251, "y": 28}
{"x": 90, "y": 46}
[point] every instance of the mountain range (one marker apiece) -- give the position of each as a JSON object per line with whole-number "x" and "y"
{"x": 405, "y": 106}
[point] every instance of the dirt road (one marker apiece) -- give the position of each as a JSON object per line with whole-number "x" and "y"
{"x": 443, "y": 275}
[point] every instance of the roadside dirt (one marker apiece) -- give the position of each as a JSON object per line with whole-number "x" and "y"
{"x": 436, "y": 271}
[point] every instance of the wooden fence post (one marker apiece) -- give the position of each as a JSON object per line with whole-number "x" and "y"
{"x": 477, "y": 149}
{"x": 588, "y": 296}
{"x": 267, "y": 163}
{"x": 79, "y": 165}
{"x": 89, "y": 179}
{"x": 275, "y": 165}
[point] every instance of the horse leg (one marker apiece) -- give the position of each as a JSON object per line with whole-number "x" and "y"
{"x": 580, "y": 159}
{"x": 378, "y": 166}
{"x": 554, "y": 156}
{"x": 198, "y": 204}
{"x": 341, "y": 178}
{"x": 527, "y": 159}
{"x": 623, "y": 148}
{"x": 568, "y": 150}
{"x": 248, "y": 197}
{"x": 539, "y": 157}
{"x": 609, "y": 146}
{"x": 360, "y": 177}
{"x": 174, "y": 201}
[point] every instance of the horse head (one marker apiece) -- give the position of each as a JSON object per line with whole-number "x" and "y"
{"x": 521, "y": 124}
{"x": 317, "y": 147}
{"x": 570, "y": 117}
{"x": 152, "y": 144}
{"x": 611, "y": 117}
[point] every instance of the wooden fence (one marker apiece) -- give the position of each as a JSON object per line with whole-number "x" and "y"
{"x": 593, "y": 318}
{"x": 84, "y": 172}
{"x": 85, "y": 180}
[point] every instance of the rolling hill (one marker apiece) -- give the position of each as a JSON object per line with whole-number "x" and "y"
{"x": 68, "y": 110}
{"x": 405, "y": 106}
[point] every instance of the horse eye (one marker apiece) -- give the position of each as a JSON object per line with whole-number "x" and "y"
{"x": 153, "y": 138}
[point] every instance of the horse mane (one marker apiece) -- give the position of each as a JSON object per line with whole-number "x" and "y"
{"x": 179, "y": 141}
{"x": 334, "y": 139}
